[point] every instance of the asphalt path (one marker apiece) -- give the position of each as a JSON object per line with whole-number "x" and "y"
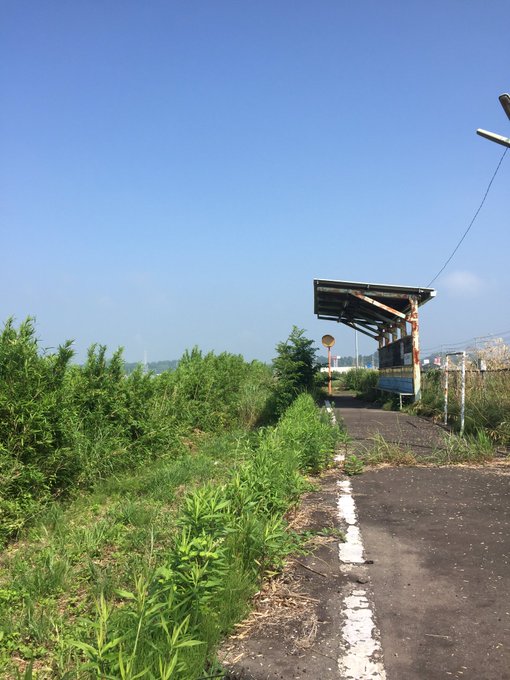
{"x": 364, "y": 421}
{"x": 423, "y": 576}
{"x": 439, "y": 540}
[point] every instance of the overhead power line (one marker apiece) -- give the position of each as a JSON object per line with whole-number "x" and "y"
{"x": 471, "y": 223}
{"x": 505, "y": 335}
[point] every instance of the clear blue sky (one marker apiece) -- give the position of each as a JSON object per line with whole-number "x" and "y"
{"x": 178, "y": 173}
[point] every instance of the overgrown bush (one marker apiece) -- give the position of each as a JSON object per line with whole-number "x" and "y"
{"x": 295, "y": 368}
{"x": 35, "y": 433}
{"x": 229, "y": 537}
{"x": 361, "y": 380}
{"x": 212, "y": 392}
{"x": 64, "y": 425}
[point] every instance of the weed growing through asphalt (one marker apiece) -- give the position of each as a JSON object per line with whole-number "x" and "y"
{"x": 381, "y": 451}
{"x": 454, "y": 450}
{"x": 353, "y": 465}
{"x": 478, "y": 448}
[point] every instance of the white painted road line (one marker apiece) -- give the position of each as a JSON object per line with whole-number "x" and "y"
{"x": 361, "y": 655}
{"x": 340, "y": 457}
{"x": 361, "y": 659}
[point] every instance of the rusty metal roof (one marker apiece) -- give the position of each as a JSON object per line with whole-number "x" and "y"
{"x": 369, "y": 307}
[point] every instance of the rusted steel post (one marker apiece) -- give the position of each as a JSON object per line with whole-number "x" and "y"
{"x": 329, "y": 371}
{"x": 413, "y": 320}
{"x": 463, "y": 393}
{"x": 446, "y": 366}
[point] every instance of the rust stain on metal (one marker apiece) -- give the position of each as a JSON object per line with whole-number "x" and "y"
{"x": 413, "y": 320}
{"x": 381, "y": 305}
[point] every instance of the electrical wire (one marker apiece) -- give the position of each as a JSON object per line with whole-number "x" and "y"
{"x": 471, "y": 223}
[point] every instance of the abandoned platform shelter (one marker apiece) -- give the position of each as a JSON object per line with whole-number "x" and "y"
{"x": 386, "y": 313}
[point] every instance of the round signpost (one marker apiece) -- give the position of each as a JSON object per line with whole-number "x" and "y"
{"x": 328, "y": 341}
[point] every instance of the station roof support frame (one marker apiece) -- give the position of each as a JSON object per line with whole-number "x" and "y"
{"x": 380, "y": 311}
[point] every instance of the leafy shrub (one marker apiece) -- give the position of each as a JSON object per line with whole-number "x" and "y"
{"x": 35, "y": 438}
{"x": 353, "y": 465}
{"x": 210, "y": 392}
{"x": 294, "y": 369}
{"x": 309, "y": 431}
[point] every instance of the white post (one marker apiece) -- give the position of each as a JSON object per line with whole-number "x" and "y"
{"x": 446, "y": 390}
{"x": 463, "y": 393}
{"x": 462, "y": 389}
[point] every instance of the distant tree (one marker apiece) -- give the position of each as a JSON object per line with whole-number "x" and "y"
{"x": 156, "y": 367}
{"x": 294, "y": 368}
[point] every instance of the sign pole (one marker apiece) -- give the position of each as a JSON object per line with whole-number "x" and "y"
{"x": 329, "y": 370}
{"x": 328, "y": 341}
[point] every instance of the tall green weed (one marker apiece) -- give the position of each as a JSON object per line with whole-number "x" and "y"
{"x": 228, "y": 538}
{"x": 487, "y": 405}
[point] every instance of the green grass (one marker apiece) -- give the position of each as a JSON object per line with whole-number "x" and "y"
{"x": 454, "y": 450}
{"x": 487, "y": 404}
{"x": 472, "y": 449}
{"x": 93, "y": 546}
{"x": 380, "y": 452}
{"x": 145, "y": 574}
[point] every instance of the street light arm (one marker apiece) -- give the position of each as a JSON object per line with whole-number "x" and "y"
{"x": 499, "y": 139}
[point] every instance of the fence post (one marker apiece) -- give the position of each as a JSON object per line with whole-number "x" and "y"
{"x": 463, "y": 393}
{"x": 446, "y": 390}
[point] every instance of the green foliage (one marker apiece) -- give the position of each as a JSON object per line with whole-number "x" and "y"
{"x": 294, "y": 368}
{"x": 381, "y": 451}
{"x": 142, "y": 441}
{"x": 309, "y": 431}
{"x": 361, "y": 380}
{"x": 487, "y": 404}
{"x": 477, "y": 449}
{"x": 63, "y": 426}
{"x": 229, "y": 536}
{"x": 35, "y": 440}
{"x": 210, "y": 392}
{"x": 353, "y": 465}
